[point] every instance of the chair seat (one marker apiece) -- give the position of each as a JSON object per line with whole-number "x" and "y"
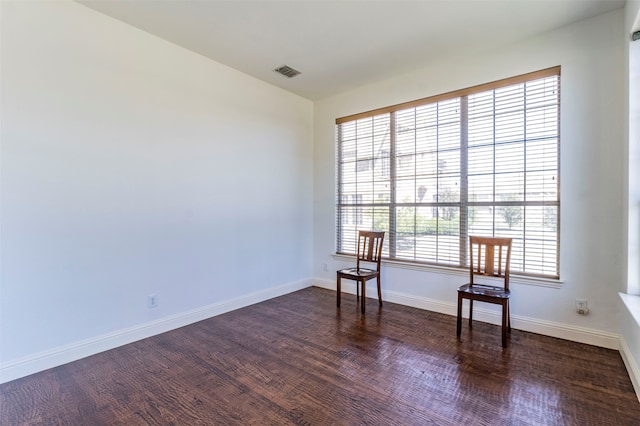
{"x": 354, "y": 272}
{"x": 485, "y": 290}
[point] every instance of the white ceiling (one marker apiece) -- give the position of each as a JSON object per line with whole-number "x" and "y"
{"x": 340, "y": 45}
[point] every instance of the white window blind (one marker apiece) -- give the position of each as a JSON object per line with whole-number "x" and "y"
{"x": 480, "y": 161}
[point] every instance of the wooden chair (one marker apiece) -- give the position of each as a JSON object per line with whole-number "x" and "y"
{"x": 491, "y": 265}
{"x": 369, "y": 250}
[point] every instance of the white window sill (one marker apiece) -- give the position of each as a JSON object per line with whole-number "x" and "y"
{"x": 520, "y": 279}
{"x": 633, "y": 305}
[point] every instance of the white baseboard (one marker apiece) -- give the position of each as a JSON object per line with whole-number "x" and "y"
{"x": 632, "y": 365}
{"x": 58, "y": 356}
{"x": 64, "y": 354}
{"x": 534, "y": 325}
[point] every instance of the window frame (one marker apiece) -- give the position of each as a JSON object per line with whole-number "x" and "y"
{"x": 463, "y": 233}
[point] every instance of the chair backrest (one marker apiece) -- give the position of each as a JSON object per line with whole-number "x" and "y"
{"x": 490, "y": 256}
{"x": 370, "y": 247}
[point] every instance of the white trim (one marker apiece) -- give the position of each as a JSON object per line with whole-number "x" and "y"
{"x": 534, "y": 325}
{"x": 64, "y": 354}
{"x": 631, "y": 364}
{"x": 632, "y": 302}
{"x": 450, "y": 270}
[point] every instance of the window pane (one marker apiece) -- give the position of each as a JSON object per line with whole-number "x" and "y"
{"x": 542, "y": 186}
{"x": 481, "y": 159}
{"x": 481, "y": 188}
{"x": 542, "y": 154}
{"x": 426, "y": 190}
{"x": 541, "y": 244}
{"x": 481, "y": 220}
{"x": 406, "y": 190}
{"x": 509, "y": 186}
{"x": 426, "y": 164}
{"x": 509, "y": 157}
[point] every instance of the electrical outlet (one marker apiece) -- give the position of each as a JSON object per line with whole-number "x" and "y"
{"x": 152, "y": 301}
{"x": 582, "y": 307}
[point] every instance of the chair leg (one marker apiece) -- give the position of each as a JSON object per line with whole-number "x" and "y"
{"x": 505, "y": 315}
{"x": 364, "y": 295}
{"x": 470, "y": 313}
{"x": 459, "y": 322}
{"x": 379, "y": 291}
{"x": 508, "y": 317}
{"x": 339, "y": 290}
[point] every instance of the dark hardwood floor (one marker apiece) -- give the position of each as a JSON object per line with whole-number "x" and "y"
{"x": 297, "y": 359}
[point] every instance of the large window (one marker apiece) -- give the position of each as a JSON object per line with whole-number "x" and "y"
{"x": 479, "y": 161}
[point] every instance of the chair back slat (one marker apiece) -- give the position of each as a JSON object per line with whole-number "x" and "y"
{"x": 490, "y": 256}
{"x": 370, "y": 247}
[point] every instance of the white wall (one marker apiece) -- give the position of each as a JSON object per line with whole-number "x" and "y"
{"x": 633, "y": 24}
{"x": 630, "y": 327}
{"x": 591, "y": 55}
{"x": 131, "y": 166}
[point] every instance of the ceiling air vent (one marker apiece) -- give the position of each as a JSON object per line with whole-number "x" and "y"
{"x": 287, "y": 71}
